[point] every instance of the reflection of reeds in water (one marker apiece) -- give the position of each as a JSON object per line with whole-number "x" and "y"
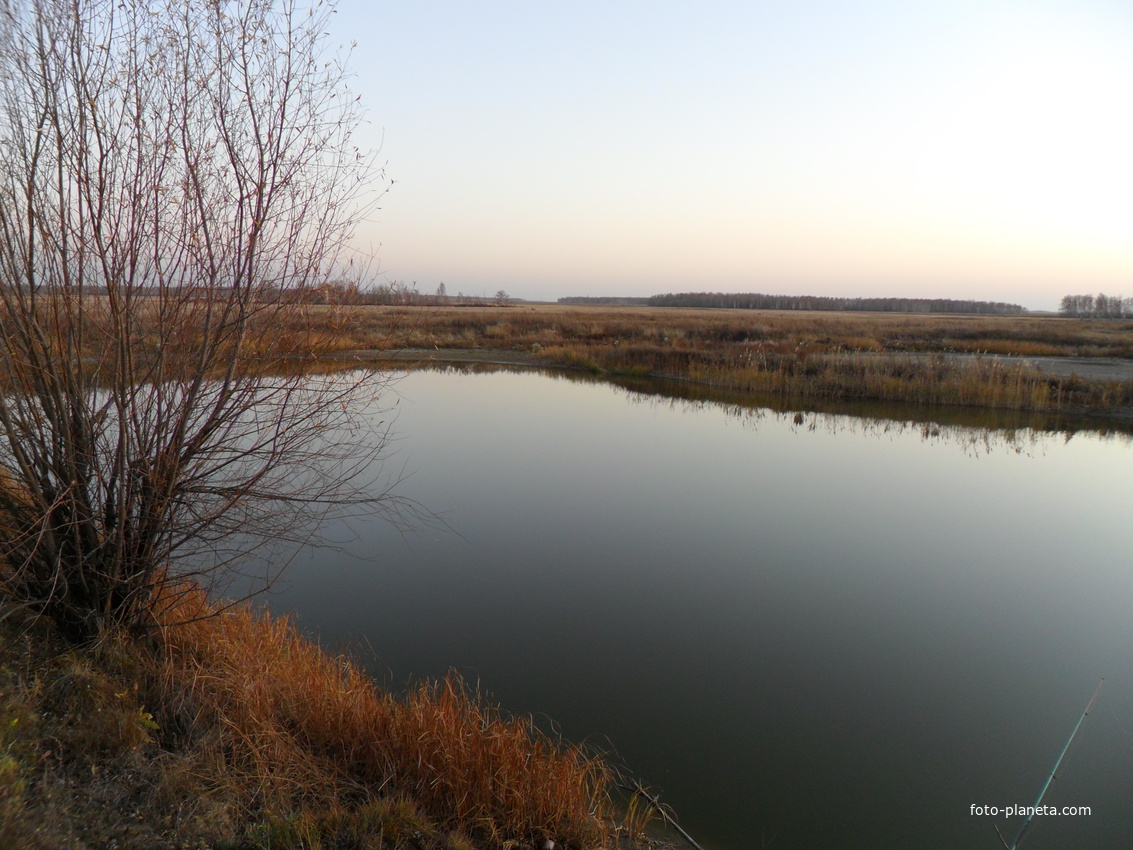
{"x": 804, "y": 376}
{"x": 973, "y": 429}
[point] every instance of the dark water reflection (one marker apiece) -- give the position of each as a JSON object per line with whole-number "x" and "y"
{"x": 958, "y": 416}
{"x": 805, "y": 631}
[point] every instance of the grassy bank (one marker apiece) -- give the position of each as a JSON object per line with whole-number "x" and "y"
{"x": 886, "y": 357}
{"x": 233, "y": 731}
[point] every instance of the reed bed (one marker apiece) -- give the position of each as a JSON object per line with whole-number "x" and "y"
{"x": 521, "y": 326}
{"x": 805, "y": 356}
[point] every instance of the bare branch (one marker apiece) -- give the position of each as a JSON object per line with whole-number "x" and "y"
{"x": 176, "y": 181}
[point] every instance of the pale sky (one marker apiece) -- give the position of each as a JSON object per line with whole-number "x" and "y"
{"x": 946, "y": 149}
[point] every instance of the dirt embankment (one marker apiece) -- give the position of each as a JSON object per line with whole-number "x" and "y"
{"x": 1091, "y": 368}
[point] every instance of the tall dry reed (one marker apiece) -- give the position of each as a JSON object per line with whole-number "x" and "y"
{"x": 301, "y": 730}
{"x": 881, "y": 357}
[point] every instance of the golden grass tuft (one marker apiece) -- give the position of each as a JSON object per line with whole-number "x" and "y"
{"x": 229, "y": 729}
{"x": 315, "y": 745}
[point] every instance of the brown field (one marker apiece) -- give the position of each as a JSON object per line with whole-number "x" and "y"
{"x": 797, "y": 355}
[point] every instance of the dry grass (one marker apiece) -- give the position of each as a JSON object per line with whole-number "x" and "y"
{"x": 300, "y": 719}
{"x": 522, "y": 326}
{"x": 885, "y": 357}
{"x": 233, "y": 730}
{"x": 803, "y": 355}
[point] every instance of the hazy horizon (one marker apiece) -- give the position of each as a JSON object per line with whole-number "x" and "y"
{"x": 871, "y": 149}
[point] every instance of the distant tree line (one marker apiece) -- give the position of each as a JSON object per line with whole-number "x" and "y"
{"x": 759, "y": 301}
{"x": 1100, "y": 306}
{"x": 604, "y": 300}
{"x": 395, "y": 293}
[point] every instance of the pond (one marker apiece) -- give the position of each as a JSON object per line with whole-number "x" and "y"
{"x": 804, "y": 631}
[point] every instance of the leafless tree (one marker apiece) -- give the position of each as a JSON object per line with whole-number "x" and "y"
{"x": 176, "y": 177}
{"x": 1100, "y": 306}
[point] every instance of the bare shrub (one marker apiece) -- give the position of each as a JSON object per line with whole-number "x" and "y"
{"x": 177, "y": 183}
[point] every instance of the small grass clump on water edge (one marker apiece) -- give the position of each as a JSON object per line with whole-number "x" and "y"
{"x": 232, "y": 730}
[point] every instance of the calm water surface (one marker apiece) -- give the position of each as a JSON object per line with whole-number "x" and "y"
{"x": 815, "y": 635}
